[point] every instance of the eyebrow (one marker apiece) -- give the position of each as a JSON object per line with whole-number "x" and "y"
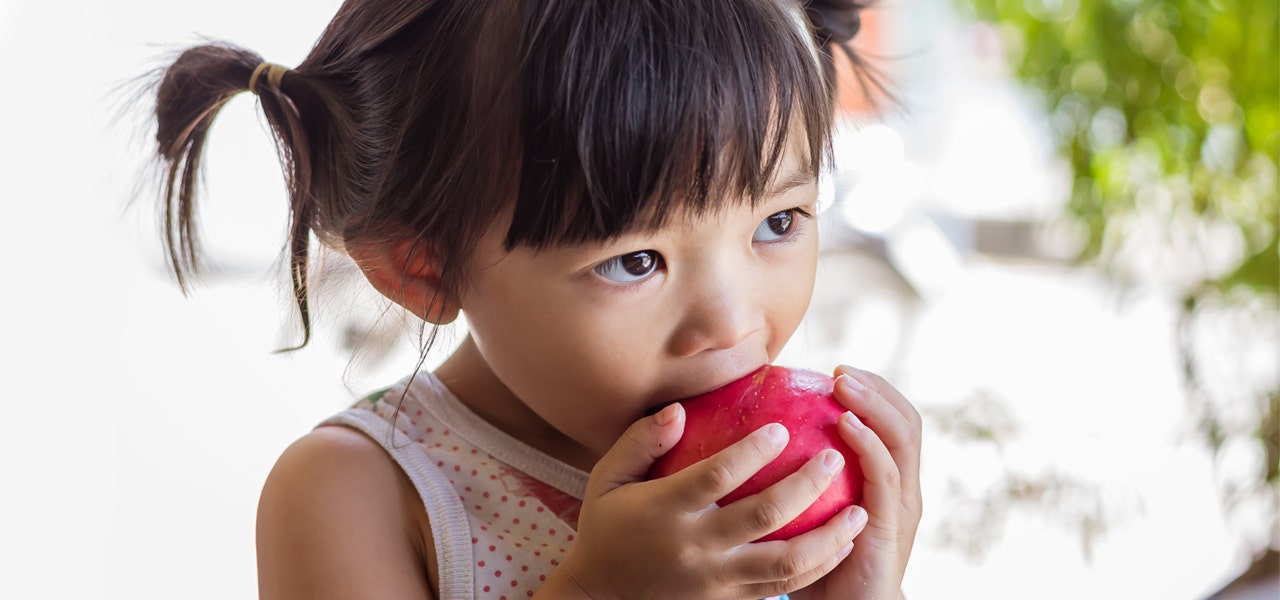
{"x": 792, "y": 181}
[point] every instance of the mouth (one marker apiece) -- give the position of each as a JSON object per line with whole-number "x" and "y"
{"x": 657, "y": 408}
{"x": 685, "y": 395}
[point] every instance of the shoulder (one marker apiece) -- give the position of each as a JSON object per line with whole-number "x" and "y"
{"x": 339, "y": 519}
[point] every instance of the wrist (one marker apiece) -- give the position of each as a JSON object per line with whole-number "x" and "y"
{"x": 561, "y": 584}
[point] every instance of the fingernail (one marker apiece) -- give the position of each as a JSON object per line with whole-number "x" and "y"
{"x": 857, "y": 516}
{"x": 832, "y": 460}
{"x": 667, "y": 415}
{"x": 850, "y": 420}
{"x": 776, "y": 432}
{"x": 845, "y": 551}
{"x": 849, "y": 382}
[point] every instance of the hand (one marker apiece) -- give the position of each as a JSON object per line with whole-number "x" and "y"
{"x": 666, "y": 538}
{"x": 885, "y": 433}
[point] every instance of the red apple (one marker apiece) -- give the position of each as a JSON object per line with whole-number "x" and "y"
{"x": 803, "y": 402}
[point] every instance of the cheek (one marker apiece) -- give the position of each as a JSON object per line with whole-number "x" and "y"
{"x": 564, "y": 360}
{"x": 790, "y": 302}
{"x": 807, "y": 275}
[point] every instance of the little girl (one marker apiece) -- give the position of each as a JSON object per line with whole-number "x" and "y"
{"x": 620, "y": 197}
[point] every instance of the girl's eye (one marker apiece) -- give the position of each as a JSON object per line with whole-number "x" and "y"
{"x": 629, "y": 268}
{"x": 775, "y": 227}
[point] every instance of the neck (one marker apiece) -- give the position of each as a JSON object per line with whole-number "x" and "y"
{"x": 470, "y": 378}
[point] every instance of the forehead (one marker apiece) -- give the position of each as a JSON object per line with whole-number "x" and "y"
{"x": 669, "y": 206}
{"x": 632, "y": 116}
{"x": 793, "y": 169}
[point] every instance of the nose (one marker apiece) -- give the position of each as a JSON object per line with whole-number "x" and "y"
{"x": 721, "y": 311}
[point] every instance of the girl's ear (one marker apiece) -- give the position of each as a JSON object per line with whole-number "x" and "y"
{"x": 410, "y": 276}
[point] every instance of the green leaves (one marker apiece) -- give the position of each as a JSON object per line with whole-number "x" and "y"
{"x": 1178, "y": 99}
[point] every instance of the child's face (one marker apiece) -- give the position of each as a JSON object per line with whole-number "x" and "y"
{"x": 586, "y": 339}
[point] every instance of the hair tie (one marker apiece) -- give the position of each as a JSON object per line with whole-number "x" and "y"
{"x": 275, "y": 74}
{"x": 835, "y": 21}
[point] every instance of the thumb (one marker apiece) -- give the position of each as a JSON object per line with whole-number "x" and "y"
{"x": 629, "y": 459}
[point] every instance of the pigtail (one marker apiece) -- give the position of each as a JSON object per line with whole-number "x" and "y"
{"x": 834, "y": 24}
{"x": 189, "y": 95}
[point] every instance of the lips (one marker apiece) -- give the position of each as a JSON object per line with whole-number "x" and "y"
{"x": 689, "y": 392}
{"x": 653, "y": 410}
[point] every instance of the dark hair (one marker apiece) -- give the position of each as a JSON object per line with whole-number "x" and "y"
{"x": 423, "y": 119}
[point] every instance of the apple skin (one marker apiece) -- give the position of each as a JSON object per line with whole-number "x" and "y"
{"x": 801, "y": 400}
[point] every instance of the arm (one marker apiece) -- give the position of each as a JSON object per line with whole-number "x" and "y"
{"x": 338, "y": 519}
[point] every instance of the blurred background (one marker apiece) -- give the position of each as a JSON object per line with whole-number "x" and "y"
{"x": 1054, "y": 229}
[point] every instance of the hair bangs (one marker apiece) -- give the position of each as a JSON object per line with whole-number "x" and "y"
{"x": 635, "y": 111}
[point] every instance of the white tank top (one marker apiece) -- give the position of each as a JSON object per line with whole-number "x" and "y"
{"x": 502, "y": 513}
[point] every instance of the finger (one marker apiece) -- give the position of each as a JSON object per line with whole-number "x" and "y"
{"x": 899, "y": 433}
{"x": 889, "y": 423}
{"x": 763, "y": 513}
{"x": 629, "y": 459}
{"x": 784, "y": 566}
{"x": 904, "y": 444}
{"x": 708, "y": 480}
{"x": 886, "y": 391}
{"x": 882, "y": 482}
